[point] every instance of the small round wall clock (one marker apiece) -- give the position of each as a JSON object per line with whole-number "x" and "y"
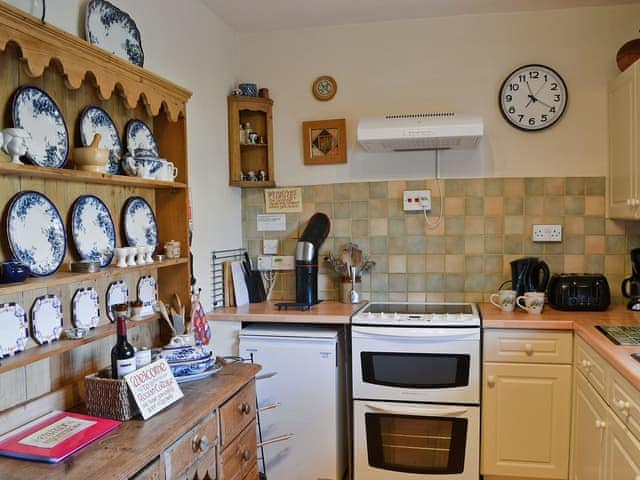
{"x": 533, "y": 97}
{"x": 324, "y": 88}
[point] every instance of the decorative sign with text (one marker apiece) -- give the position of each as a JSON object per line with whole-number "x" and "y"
{"x": 283, "y": 200}
{"x": 153, "y": 387}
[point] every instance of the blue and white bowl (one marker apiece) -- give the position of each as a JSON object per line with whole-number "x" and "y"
{"x": 184, "y": 354}
{"x": 248, "y": 89}
{"x": 191, "y": 367}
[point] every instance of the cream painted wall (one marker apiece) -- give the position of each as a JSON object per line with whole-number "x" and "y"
{"x": 187, "y": 44}
{"x": 456, "y": 64}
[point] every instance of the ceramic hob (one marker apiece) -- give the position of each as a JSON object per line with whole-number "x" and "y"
{"x": 622, "y": 335}
{"x": 418, "y": 315}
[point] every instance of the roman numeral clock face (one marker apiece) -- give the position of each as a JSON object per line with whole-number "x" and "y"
{"x": 533, "y": 97}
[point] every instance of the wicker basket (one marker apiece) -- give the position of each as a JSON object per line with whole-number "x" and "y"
{"x": 108, "y": 397}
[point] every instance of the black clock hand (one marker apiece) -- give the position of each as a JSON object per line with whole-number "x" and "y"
{"x": 543, "y": 103}
{"x": 529, "y": 88}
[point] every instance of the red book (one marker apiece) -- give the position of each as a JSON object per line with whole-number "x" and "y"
{"x": 53, "y": 437}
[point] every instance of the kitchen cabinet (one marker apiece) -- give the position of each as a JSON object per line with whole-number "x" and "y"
{"x": 526, "y": 404}
{"x": 246, "y": 156}
{"x": 623, "y": 186}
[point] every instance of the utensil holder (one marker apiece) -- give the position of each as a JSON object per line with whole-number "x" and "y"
{"x": 109, "y": 397}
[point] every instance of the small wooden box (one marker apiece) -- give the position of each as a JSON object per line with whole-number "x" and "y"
{"x": 108, "y": 397}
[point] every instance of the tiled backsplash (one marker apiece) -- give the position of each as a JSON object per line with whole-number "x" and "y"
{"x": 487, "y": 223}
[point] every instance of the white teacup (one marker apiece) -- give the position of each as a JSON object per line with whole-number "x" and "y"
{"x": 506, "y": 300}
{"x": 533, "y": 302}
{"x": 167, "y": 172}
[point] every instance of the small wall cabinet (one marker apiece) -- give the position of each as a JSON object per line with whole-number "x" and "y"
{"x": 248, "y": 157}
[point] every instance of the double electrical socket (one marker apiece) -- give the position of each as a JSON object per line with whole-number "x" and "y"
{"x": 547, "y": 233}
{"x": 275, "y": 262}
{"x": 416, "y": 200}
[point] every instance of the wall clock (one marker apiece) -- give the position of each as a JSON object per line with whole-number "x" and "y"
{"x": 533, "y": 97}
{"x": 324, "y": 88}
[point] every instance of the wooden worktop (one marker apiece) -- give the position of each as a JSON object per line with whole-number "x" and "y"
{"x": 325, "y": 312}
{"x": 120, "y": 454}
{"x": 583, "y": 324}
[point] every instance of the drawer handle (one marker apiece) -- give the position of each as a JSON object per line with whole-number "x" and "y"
{"x": 491, "y": 381}
{"x": 246, "y": 455}
{"x": 200, "y": 443}
{"x": 528, "y": 348}
{"x": 600, "y": 425}
{"x": 586, "y": 364}
{"x": 623, "y": 406}
{"x": 244, "y": 408}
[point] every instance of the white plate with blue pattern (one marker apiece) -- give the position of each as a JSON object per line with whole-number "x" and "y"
{"x": 36, "y": 112}
{"x": 46, "y": 319}
{"x": 86, "y": 308}
{"x": 94, "y": 120}
{"x": 36, "y": 233}
{"x": 147, "y": 293}
{"x": 93, "y": 231}
{"x": 139, "y": 138}
{"x": 114, "y": 31}
{"x": 140, "y": 226}
{"x": 14, "y": 329}
{"x": 117, "y": 294}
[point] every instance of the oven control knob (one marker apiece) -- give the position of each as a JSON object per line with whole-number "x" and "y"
{"x": 369, "y": 314}
{"x": 396, "y": 316}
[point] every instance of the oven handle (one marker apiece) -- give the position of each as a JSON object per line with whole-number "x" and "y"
{"x": 415, "y": 333}
{"x": 420, "y": 411}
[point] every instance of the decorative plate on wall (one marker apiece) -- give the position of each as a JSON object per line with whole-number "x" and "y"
{"x": 46, "y": 319}
{"x": 147, "y": 293}
{"x": 114, "y": 31}
{"x": 117, "y": 293}
{"x": 94, "y": 234}
{"x": 94, "y": 120}
{"x": 86, "y": 308}
{"x": 139, "y": 138}
{"x": 36, "y": 233}
{"x": 324, "y": 88}
{"x": 140, "y": 226}
{"x": 14, "y": 329}
{"x": 36, "y": 112}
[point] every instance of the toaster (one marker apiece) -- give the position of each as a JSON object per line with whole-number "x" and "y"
{"x": 579, "y": 292}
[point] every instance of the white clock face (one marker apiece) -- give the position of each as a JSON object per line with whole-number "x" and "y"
{"x": 533, "y": 97}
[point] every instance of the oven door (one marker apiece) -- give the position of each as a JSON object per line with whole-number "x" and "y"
{"x": 416, "y": 364}
{"x": 408, "y": 441}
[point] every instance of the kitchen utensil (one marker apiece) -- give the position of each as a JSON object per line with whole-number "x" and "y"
{"x": 529, "y": 274}
{"x": 355, "y": 296}
{"x": 178, "y": 321}
{"x": 165, "y": 315}
{"x": 91, "y": 158}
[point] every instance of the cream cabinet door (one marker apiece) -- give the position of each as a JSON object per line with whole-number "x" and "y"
{"x": 622, "y": 182}
{"x": 623, "y": 452}
{"x": 526, "y": 420}
{"x": 589, "y": 428}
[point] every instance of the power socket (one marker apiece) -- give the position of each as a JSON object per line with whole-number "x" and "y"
{"x": 547, "y": 233}
{"x": 416, "y": 200}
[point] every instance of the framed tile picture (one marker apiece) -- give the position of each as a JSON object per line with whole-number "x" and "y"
{"x": 325, "y": 142}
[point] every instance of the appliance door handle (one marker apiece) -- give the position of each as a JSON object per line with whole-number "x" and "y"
{"x": 420, "y": 411}
{"x": 416, "y": 333}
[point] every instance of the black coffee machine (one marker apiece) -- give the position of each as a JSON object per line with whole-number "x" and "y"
{"x": 307, "y": 258}
{"x": 529, "y": 274}
{"x": 631, "y": 285}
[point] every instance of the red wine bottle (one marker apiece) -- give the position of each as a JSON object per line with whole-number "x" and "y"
{"x": 123, "y": 357}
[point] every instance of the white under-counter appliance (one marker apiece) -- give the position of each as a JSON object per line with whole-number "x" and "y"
{"x": 308, "y": 387}
{"x": 416, "y": 391}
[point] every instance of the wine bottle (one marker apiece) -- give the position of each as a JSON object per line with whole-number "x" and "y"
{"x": 123, "y": 357}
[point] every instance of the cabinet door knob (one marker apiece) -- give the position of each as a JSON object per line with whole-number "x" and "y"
{"x": 623, "y": 406}
{"x": 528, "y": 348}
{"x": 200, "y": 443}
{"x": 629, "y": 202}
{"x": 491, "y": 381}
{"x": 585, "y": 364}
{"x": 244, "y": 408}
{"x": 246, "y": 455}
{"x": 600, "y": 425}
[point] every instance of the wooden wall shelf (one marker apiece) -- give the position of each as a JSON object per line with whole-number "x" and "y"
{"x": 64, "y": 278}
{"x": 85, "y": 177}
{"x": 40, "y": 352}
{"x": 249, "y": 184}
{"x": 41, "y": 43}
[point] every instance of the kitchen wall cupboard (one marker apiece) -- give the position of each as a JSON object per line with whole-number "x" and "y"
{"x": 77, "y": 74}
{"x": 526, "y": 404}
{"x": 248, "y": 157}
{"x": 623, "y": 185}
{"x": 606, "y": 415}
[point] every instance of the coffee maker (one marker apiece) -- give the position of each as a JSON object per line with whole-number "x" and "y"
{"x": 631, "y": 285}
{"x": 529, "y": 274}
{"x": 306, "y": 258}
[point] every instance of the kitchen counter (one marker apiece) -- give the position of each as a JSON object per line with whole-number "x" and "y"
{"x": 583, "y": 324}
{"x": 325, "y": 312}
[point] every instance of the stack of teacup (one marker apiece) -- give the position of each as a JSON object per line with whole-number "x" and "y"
{"x": 184, "y": 358}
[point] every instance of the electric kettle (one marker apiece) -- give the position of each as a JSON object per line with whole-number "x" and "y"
{"x": 529, "y": 274}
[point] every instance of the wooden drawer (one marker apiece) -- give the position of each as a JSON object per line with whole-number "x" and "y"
{"x": 592, "y": 366}
{"x": 239, "y": 456}
{"x": 153, "y": 471}
{"x": 203, "y": 469}
{"x": 252, "y": 472}
{"x": 624, "y": 400}
{"x": 237, "y": 413}
{"x": 191, "y": 446}
{"x": 528, "y": 346}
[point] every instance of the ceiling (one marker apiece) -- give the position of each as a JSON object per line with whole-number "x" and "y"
{"x": 267, "y": 15}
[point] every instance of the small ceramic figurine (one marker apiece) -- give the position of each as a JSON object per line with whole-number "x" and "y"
{"x": 14, "y": 143}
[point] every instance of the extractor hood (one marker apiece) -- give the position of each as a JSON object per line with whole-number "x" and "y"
{"x": 420, "y": 131}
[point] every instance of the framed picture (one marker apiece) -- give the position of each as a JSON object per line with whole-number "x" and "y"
{"x": 325, "y": 142}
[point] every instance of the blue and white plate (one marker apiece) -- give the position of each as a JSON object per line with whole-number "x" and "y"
{"x": 14, "y": 329}
{"x": 94, "y": 234}
{"x": 86, "y": 308}
{"x": 36, "y": 112}
{"x": 140, "y": 139}
{"x": 46, "y": 319}
{"x": 147, "y": 293}
{"x": 140, "y": 226}
{"x": 94, "y": 120}
{"x": 212, "y": 370}
{"x": 117, "y": 293}
{"x": 36, "y": 233}
{"x": 114, "y": 31}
